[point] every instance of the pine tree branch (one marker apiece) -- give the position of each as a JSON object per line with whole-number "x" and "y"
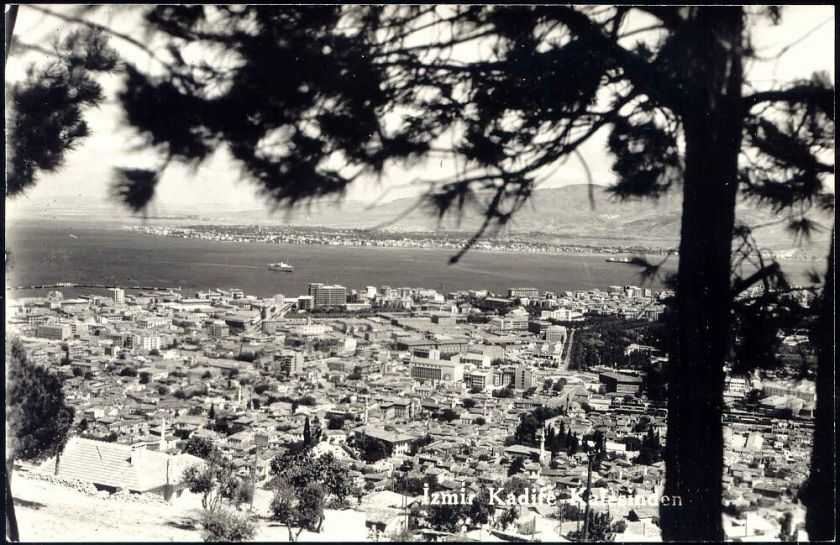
{"x": 104, "y": 28}
{"x": 799, "y": 93}
{"x": 641, "y": 73}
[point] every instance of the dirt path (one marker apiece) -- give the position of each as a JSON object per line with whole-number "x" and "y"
{"x": 50, "y": 512}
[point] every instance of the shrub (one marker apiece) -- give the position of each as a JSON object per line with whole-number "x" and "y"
{"x": 227, "y": 525}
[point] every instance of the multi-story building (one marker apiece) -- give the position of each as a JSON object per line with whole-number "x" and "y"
{"x": 735, "y": 385}
{"x": 538, "y": 327}
{"x": 444, "y": 319}
{"x": 55, "y": 332}
{"x": 508, "y": 376}
{"x": 446, "y": 346}
{"x": 399, "y": 410}
{"x": 146, "y": 342}
{"x": 479, "y": 359}
{"x": 555, "y": 334}
{"x": 511, "y": 322}
{"x": 632, "y": 291}
{"x": 289, "y": 362}
{"x": 523, "y": 378}
{"x": 479, "y": 380}
{"x": 433, "y": 368}
{"x": 119, "y": 295}
{"x": 621, "y": 384}
{"x": 804, "y": 390}
{"x": 562, "y": 314}
{"x": 309, "y": 329}
{"x": 218, "y": 329}
{"x": 149, "y": 322}
{"x": 75, "y": 350}
{"x": 494, "y": 303}
{"x": 328, "y": 296}
{"x": 398, "y": 444}
{"x": 518, "y": 293}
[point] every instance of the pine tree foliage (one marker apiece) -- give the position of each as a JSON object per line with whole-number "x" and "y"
{"x": 45, "y": 120}
{"x": 38, "y": 420}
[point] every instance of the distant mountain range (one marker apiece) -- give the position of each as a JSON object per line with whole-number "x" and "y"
{"x": 557, "y": 213}
{"x": 564, "y": 212}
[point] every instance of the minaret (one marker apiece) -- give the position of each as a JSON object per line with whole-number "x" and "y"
{"x": 162, "y": 447}
{"x": 239, "y": 397}
{"x": 542, "y": 444}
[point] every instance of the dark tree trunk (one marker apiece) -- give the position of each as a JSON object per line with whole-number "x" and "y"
{"x": 11, "y": 519}
{"x": 710, "y": 110}
{"x": 820, "y": 493}
{"x": 10, "y": 18}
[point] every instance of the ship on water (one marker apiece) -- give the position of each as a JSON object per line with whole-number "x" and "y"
{"x": 281, "y": 267}
{"x": 619, "y": 260}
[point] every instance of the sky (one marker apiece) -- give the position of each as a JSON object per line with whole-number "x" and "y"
{"x": 806, "y": 31}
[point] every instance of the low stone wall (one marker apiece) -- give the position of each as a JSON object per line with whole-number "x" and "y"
{"x": 89, "y": 489}
{"x": 74, "y": 484}
{"x": 123, "y": 495}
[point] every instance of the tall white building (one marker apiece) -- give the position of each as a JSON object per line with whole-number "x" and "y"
{"x": 146, "y": 342}
{"x": 119, "y": 295}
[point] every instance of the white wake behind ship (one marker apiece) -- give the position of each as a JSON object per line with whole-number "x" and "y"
{"x": 281, "y": 267}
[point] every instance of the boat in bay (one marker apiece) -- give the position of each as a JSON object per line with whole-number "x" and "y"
{"x": 281, "y": 267}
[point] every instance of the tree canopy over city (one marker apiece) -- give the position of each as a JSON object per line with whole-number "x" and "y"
{"x": 510, "y": 93}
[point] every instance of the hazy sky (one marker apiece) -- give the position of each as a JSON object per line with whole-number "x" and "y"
{"x": 808, "y": 31}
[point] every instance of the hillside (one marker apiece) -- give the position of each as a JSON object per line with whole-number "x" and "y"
{"x": 564, "y": 212}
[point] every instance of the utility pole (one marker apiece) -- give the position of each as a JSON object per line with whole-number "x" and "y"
{"x": 254, "y": 473}
{"x": 588, "y": 493}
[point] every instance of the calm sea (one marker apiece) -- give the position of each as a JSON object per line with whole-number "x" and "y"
{"x": 47, "y": 252}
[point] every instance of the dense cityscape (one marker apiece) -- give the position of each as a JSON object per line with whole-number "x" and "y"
{"x": 466, "y": 414}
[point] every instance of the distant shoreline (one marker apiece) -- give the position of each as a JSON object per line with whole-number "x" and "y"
{"x": 124, "y": 223}
{"x": 606, "y": 251}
